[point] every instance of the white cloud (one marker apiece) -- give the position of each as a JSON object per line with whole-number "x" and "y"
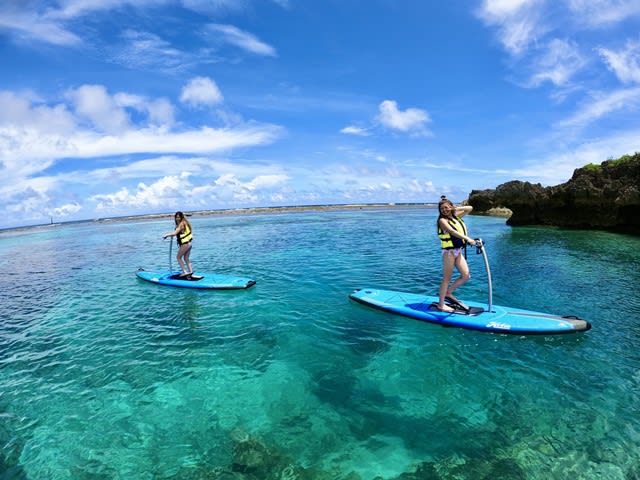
{"x": 93, "y": 103}
{"x": 227, "y": 179}
{"x": 410, "y": 120}
{"x": 71, "y": 9}
{"x": 160, "y": 112}
{"x": 164, "y": 191}
{"x": 94, "y": 124}
{"x": 201, "y": 91}
{"x": 216, "y": 6}
{"x": 45, "y": 22}
{"x": 559, "y": 63}
{"x": 421, "y": 187}
{"x": 557, "y": 168}
{"x": 144, "y": 50}
{"x": 242, "y": 39}
{"x": 66, "y": 209}
{"x": 202, "y": 140}
{"x": 603, "y": 12}
{"x": 266, "y": 181}
{"x": 518, "y": 22}
{"x": 22, "y": 111}
{"x": 624, "y": 63}
{"x": 184, "y": 191}
{"x": 27, "y": 24}
{"x": 353, "y": 130}
{"x": 602, "y": 105}
{"x": 102, "y": 126}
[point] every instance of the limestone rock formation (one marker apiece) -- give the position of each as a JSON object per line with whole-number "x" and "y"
{"x": 605, "y": 197}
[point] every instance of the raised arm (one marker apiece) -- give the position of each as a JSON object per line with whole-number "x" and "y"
{"x": 463, "y": 210}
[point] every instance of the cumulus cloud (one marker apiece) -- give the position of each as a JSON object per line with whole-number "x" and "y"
{"x": 93, "y": 103}
{"x": 160, "y": 192}
{"x": 25, "y": 112}
{"x": 95, "y": 123}
{"x": 159, "y": 112}
{"x": 241, "y": 39}
{"x": 184, "y": 191}
{"x": 421, "y": 187}
{"x": 92, "y": 123}
{"x": 66, "y": 209}
{"x": 411, "y": 120}
{"x": 201, "y": 91}
{"x": 266, "y": 181}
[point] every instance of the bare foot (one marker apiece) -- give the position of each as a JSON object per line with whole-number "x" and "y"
{"x": 445, "y": 308}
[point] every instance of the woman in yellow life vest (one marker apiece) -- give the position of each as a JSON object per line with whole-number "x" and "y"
{"x": 183, "y": 236}
{"x": 453, "y": 237}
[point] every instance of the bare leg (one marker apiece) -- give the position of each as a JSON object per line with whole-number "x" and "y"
{"x": 181, "y": 252}
{"x": 448, "y": 261}
{"x": 186, "y": 258}
{"x": 463, "y": 268}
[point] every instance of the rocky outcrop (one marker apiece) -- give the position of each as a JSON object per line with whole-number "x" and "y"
{"x": 605, "y": 197}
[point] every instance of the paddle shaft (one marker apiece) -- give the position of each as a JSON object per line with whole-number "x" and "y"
{"x": 170, "y": 255}
{"x": 481, "y": 249}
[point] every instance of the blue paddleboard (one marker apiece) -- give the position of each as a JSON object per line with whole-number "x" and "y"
{"x": 498, "y": 320}
{"x": 211, "y": 281}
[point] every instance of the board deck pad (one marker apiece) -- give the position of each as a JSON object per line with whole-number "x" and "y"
{"x": 205, "y": 281}
{"x": 189, "y": 278}
{"x": 457, "y": 309}
{"x": 498, "y": 320}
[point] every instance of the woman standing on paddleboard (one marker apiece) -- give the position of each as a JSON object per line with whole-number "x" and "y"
{"x": 453, "y": 237}
{"x": 184, "y": 237}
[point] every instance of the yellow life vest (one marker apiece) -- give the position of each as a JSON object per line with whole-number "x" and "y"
{"x": 450, "y": 241}
{"x": 184, "y": 236}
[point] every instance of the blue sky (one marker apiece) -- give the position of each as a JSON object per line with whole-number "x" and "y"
{"x": 122, "y": 107}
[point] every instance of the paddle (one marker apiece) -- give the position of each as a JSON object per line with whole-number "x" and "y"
{"x": 481, "y": 250}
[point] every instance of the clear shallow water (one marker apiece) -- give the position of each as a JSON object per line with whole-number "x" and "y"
{"x": 105, "y": 376}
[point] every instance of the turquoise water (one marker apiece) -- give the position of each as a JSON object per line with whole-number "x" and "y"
{"x": 103, "y": 376}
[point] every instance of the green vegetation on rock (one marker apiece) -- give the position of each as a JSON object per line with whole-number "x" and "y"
{"x": 593, "y": 167}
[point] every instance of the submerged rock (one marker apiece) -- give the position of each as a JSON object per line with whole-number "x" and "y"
{"x": 252, "y": 456}
{"x": 604, "y": 197}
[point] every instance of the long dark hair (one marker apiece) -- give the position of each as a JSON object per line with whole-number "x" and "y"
{"x": 444, "y": 201}
{"x": 179, "y": 217}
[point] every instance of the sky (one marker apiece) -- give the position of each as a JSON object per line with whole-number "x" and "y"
{"x": 125, "y": 107}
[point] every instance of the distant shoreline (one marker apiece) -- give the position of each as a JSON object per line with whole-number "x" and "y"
{"x": 269, "y": 210}
{"x": 248, "y": 211}
{"x": 230, "y": 211}
{"x": 243, "y": 211}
